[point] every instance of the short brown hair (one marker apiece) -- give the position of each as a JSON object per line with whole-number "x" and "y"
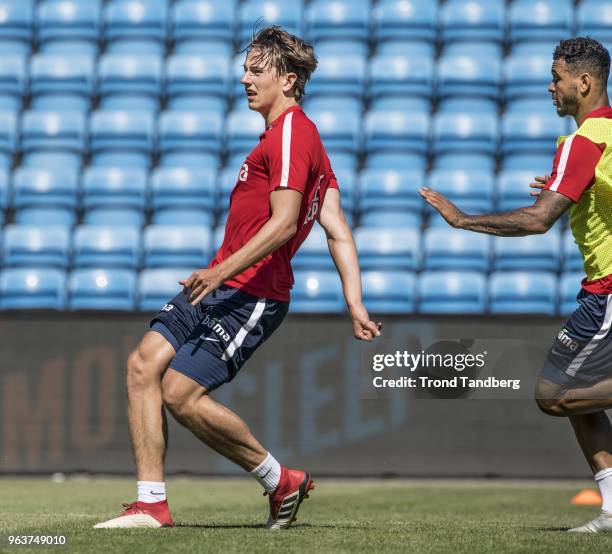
{"x": 585, "y": 54}
{"x": 286, "y": 53}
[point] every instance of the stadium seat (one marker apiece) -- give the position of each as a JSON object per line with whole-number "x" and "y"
{"x": 317, "y": 292}
{"x": 203, "y": 19}
{"x": 197, "y": 102}
{"x": 572, "y": 258}
{"x": 158, "y": 286}
{"x": 173, "y": 188}
{"x": 136, "y": 19}
{"x": 340, "y": 47}
{"x": 452, "y": 249}
{"x": 114, "y": 187}
{"x": 471, "y": 190}
{"x": 114, "y": 217}
{"x": 469, "y": 75}
{"x": 544, "y": 19}
{"x": 383, "y": 248}
{"x": 205, "y": 48}
{"x": 531, "y": 132}
{"x": 44, "y": 217}
{"x": 594, "y": 19}
{"x": 527, "y": 75}
{"x": 190, "y": 160}
{"x": 342, "y": 160}
{"x": 389, "y": 292}
{"x": 390, "y": 218}
{"x": 69, "y": 47}
{"x": 412, "y": 49}
{"x": 451, "y": 292}
{"x": 166, "y": 246}
{"x": 388, "y": 131}
{"x": 56, "y": 131}
{"x": 568, "y": 290}
{"x": 400, "y": 75}
{"x": 189, "y": 75}
{"x": 17, "y": 20}
{"x": 8, "y": 137}
{"x": 42, "y": 246}
{"x": 401, "y": 19}
{"x": 136, "y": 47}
{"x": 50, "y": 188}
{"x": 4, "y": 188}
{"x": 477, "y": 106}
{"x": 472, "y": 20}
{"x": 181, "y": 217}
{"x": 102, "y": 289}
{"x": 339, "y": 19}
{"x": 465, "y": 161}
{"x": 98, "y": 246}
{"x": 468, "y": 132}
{"x": 390, "y": 190}
{"x": 513, "y": 189}
{"x": 191, "y": 131}
{"x": 287, "y": 15}
{"x": 314, "y": 252}
{"x": 522, "y": 292}
{"x": 340, "y": 132}
{"x": 533, "y": 252}
{"x": 347, "y": 182}
{"x": 537, "y": 164}
{"x": 341, "y": 75}
{"x": 32, "y": 288}
{"x": 327, "y": 103}
{"x": 473, "y": 49}
{"x": 68, "y": 20}
{"x": 13, "y": 78}
{"x": 226, "y": 182}
{"x": 243, "y": 130}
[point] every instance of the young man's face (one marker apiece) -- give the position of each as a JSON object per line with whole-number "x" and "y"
{"x": 564, "y": 89}
{"x": 263, "y": 87}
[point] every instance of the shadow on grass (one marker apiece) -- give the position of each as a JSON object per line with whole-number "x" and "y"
{"x": 257, "y": 526}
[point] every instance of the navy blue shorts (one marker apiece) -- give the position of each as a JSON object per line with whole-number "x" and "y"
{"x": 582, "y": 352}
{"x": 213, "y": 339}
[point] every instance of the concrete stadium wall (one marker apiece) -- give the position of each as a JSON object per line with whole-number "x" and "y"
{"x": 307, "y": 394}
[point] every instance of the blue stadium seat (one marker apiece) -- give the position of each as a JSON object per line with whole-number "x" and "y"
{"x": 102, "y": 289}
{"x": 190, "y": 160}
{"x": 451, "y": 292}
{"x": 17, "y": 20}
{"x": 136, "y": 19}
{"x": 114, "y": 187}
{"x": 98, "y": 246}
{"x": 572, "y": 258}
{"x": 466, "y": 161}
{"x": 137, "y": 76}
{"x": 469, "y": 75}
{"x": 594, "y": 19}
{"x": 388, "y": 131}
{"x": 188, "y": 74}
{"x": 55, "y": 131}
{"x": 513, "y": 189}
{"x": 527, "y": 75}
{"x": 314, "y": 252}
{"x": 474, "y": 49}
{"x": 317, "y": 292}
{"x": 568, "y": 290}
{"x": 383, "y": 248}
{"x": 342, "y": 160}
{"x": 479, "y": 106}
{"x": 183, "y": 217}
{"x": 226, "y": 182}
{"x": 9, "y": 47}
{"x": 114, "y": 217}
{"x": 69, "y": 20}
{"x": 43, "y": 217}
{"x": 166, "y": 246}
{"x": 453, "y": 249}
{"x": 274, "y": 12}
{"x": 218, "y": 236}
{"x": 389, "y": 292}
{"x": 203, "y": 19}
{"x": 537, "y": 164}
{"x": 157, "y": 286}
{"x": 26, "y": 245}
{"x": 338, "y": 19}
{"x": 390, "y": 189}
{"x": 401, "y": 19}
{"x": 4, "y": 188}
{"x": 205, "y": 48}
{"x": 545, "y": 19}
{"x": 347, "y": 182}
{"x": 8, "y": 137}
{"x": 532, "y": 132}
{"x": 197, "y": 102}
{"x": 467, "y": 132}
{"x": 340, "y": 132}
{"x": 390, "y": 218}
{"x": 183, "y": 188}
{"x": 342, "y": 75}
{"x": 32, "y": 288}
{"x": 50, "y": 188}
{"x": 340, "y": 47}
{"x": 471, "y": 190}
{"x": 136, "y": 47}
{"x": 330, "y": 103}
{"x": 243, "y": 130}
{"x": 13, "y": 80}
{"x": 473, "y": 20}
{"x": 523, "y": 292}
{"x": 395, "y": 161}
{"x": 533, "y": 252}
{"x": 400, "y": 75}
{"x": 69, "y": 47}
{"x": 406, "y": 48}
{"x": 129, "y": 133}
{"x": 191, "y": 131}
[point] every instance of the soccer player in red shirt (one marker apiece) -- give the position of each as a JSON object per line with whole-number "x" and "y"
{"x": 201, "y": 338}
{"x": 576, "y": 379}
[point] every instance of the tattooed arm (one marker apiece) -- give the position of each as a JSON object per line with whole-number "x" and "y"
{"x": 530, "y": 220}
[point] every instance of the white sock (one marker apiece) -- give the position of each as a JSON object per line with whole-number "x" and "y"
{"x": 151, "y": 491}
{"x": 268, "y": 473}
{"x": 603, "y": 479}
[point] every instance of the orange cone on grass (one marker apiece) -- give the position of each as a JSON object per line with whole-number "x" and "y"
{"x": 587, "y": 497}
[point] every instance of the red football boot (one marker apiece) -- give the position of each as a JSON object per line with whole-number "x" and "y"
{"x": 285, "y": 501}
{"x": 140, "y": 514}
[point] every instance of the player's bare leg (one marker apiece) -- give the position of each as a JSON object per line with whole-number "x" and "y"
{"x": 226, "y": 433}
{"x": 560, "y": 401}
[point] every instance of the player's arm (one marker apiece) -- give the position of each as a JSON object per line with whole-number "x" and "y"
{"x": 282, "y": 225}
{"x": 344, "y": 253}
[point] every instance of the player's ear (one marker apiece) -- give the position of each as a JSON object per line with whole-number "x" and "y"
{"x": 585, "y": 83}
{"x": 289, "y": 82}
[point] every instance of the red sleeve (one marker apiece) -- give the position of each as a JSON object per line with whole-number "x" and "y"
{"x": 288, "y": 154}
{"x": 574, "y": 167}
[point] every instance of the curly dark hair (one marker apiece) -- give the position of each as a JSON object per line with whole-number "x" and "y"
{"x": 585, "y": 54}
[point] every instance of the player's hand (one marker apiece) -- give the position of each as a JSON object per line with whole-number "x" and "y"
{"x": 538, "y": 185}
{"x": 201, "y": 283}
{"x": 363, "y": 327}
{"x": 445, "y": 207}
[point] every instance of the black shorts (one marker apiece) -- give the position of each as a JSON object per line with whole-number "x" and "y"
{"x": 213, "y": 339}
{"x": 582, "y": 352}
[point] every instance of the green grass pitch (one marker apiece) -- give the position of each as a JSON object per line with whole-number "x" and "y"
{"x": 216, "y": 515}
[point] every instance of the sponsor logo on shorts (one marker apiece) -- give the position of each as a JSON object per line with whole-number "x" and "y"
{"x": 213, "y": 323}
{"x": 566, "y": 340}
{"x": 167, "y": 307}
